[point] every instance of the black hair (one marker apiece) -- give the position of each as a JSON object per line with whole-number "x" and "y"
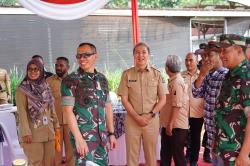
{"x": 37, "y": 56}
{"x": 203, "y": 46}
{"x": 63, "y": 58}
{"x": 141, "y": 44}
{"x": 92, "y": 46}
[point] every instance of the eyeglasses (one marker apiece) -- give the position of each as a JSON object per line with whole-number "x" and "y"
{"x": 30, "y": 69}
{"x": 85, "y": 55}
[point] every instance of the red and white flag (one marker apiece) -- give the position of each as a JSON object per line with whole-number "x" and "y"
{"x": 63, "y": 9}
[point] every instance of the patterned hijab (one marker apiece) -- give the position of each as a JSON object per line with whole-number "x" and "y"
{"x": 38, "y": 93}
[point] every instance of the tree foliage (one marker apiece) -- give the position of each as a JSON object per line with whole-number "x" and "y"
{"x": 161, "y": 4}
{"x": 198, "y": 3}
{"x": 8, "y": 2}
{"x": 158, "y": 3}
{"x": 148, "y": 4}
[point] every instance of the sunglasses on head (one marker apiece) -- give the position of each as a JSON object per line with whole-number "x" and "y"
{"x": 85, "y": 55}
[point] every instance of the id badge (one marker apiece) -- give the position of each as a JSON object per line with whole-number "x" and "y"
{"x": 45, "y": 120}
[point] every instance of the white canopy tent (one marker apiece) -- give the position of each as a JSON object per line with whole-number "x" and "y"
{"x": 243, "y": 2}
{"x": 60, "y": 10}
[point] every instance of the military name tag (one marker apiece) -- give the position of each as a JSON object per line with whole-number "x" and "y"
{"x": 45, "y": 120}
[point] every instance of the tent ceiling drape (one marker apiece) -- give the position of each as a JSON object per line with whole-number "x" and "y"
{"x": 63, "y": 9}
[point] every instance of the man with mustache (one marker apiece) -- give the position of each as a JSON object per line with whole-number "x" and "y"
{"x": 54, "y": 81}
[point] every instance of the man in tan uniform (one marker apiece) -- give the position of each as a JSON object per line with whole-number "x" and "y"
{"x": 174, "y": 116}
{"x": 195, "y": 108}
{"x": 143, "y": 94}
{"x": 61, "y": 67}
{"x": 5, "y": 90}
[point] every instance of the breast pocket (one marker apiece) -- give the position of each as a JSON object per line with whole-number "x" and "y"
{"x": 152, "y": 88}
{"x": 134, "y": 87}
{"x": 56, "y": 91}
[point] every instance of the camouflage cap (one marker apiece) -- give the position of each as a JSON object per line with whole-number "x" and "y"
{"x": 227, "y": 40}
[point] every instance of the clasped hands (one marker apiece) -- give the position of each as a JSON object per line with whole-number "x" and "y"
{"x": 144, "y": 119}
{"x": 82, "y": 147}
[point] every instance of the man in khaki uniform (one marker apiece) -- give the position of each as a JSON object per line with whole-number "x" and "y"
{"x": 195, "y": 108}
{"x": 142, "y": 90}
{"x": 174, "y": 115}
{"x": 61, "y": 67}
{"x": 5, "y": 90}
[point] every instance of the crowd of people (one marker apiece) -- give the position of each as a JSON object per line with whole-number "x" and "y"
{"x": 73, "y": 110}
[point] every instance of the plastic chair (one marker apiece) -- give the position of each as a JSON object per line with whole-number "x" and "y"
{"x": 11, "y": 147}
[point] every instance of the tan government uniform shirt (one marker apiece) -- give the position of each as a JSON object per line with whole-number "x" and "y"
{"x": 5, "y": 84}
{"x": 55, "y": 85}
{"x": 195, "y": 105}
{"x": 39, "y": 132}
{"x": 143, "y": 88}
{"x": 177, "y": 97}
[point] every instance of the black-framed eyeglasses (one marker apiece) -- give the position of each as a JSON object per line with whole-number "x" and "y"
{"x": 85, "y": 55}
{"x": 30, "y": 69}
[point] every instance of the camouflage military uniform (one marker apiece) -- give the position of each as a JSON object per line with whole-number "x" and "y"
{"x": 232, "y": 109}
{"x": 88, "y": 93}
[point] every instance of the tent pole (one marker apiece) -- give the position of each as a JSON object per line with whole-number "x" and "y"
{"x": 135, "y": 25}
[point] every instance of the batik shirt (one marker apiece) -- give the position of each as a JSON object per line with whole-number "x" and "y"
{"x": 88, "y": 93}
{"x": 232, "y": 110}
{"x": 209, "y": 90}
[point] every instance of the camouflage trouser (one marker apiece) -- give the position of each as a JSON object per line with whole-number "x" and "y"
{"x": 97, "y": 154}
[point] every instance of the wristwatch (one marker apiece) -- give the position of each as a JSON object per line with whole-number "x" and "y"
{"x": 110, "y": 133}
{"x": 152, "y": 114}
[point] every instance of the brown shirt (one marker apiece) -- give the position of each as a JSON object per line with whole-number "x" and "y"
{"x": 40, "y": 132}
{"x": 5, "y": 84}
{"x": 143, "y": 88}
{"x": 177, "y": 97}
{"x": 195, "y": 105}
{"x": 55, "y": 85}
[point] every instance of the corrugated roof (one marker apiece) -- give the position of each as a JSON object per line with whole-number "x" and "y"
{"x": 187, "y": 12}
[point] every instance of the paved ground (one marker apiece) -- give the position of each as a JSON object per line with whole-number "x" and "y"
{"x": 200, "y": 162}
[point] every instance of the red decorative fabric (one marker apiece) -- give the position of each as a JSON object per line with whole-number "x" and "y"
{"x": 63, "y": 9}
{"x": 63, "y": 1}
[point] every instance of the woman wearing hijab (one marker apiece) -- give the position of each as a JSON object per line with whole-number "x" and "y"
{"x": 37, "y": 116}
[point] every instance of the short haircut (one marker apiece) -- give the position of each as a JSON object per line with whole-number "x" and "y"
{"x": 141, "y": 44}
{"x": 92, "y": 46}
{"x": 173, "y": 63}
{"x": 63, "y": 58}
{"x": 37, "y": 56}
{"x": 193, "y": 54}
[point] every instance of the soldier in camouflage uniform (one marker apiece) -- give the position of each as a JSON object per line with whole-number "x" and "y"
{"x": 232, "y": 142}
{"x": 88, "y": 110}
